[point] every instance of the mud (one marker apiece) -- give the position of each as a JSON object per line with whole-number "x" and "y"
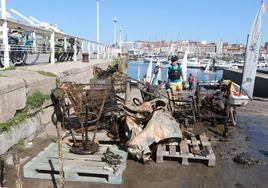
{"x": 250, "y": 136}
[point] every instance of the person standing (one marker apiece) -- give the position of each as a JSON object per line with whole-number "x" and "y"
{"x": 191, "y": 82}
{"x": 175, "y": 76}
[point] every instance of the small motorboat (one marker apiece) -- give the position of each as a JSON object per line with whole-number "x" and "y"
{"x": 237, "y": 96}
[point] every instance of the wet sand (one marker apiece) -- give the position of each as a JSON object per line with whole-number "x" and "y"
{"x": 250, "y": 135}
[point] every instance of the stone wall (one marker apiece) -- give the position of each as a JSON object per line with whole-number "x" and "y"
{"x": 28, "y": 129}
{"x": 12, "y": 97}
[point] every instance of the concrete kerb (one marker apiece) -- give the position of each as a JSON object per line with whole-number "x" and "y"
{"x": 78, "y": 71}
{"x": 33, "y": 81}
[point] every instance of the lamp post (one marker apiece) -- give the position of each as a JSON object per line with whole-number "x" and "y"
{"x": 120, "y": 38}
{"x": 98, "y": 31}
{"x": 5, "y": 33}
{"x": 115, "y": 21}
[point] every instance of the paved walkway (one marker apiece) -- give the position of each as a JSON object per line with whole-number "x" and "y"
{"x": 58, "y": 68}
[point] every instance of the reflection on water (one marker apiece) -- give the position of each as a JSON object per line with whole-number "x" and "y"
{"x": 136, "y": 68}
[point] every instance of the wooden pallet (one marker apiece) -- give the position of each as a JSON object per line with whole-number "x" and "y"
{"x": 82, "y": 168}
{"x": 187, "y": 149}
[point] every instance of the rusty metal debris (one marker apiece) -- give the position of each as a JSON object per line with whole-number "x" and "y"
{"x": 87, "y": 107}
{"x": 87, "y": 104}
{"x": 160, "y": 127}
{"x": 156, "y": 117}
{"x": 103, "y": 74}
{"x": 112, "y": 159}
{"x": 247, "y": 160}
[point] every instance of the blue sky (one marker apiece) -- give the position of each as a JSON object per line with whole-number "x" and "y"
{"x": 211, "y": 20}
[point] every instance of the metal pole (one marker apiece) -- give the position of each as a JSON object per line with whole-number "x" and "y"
{"x": 34, "y": 41}
{"x": 98, "y": 30}
{"x": 115, "y": 20}
{"x": 114, "y": 33}
{"x": 75, "y": 49}
{"x": 99, "y": 47}
{"x": 82, "y": 46}
{"x": 104, "y": 52}
{"x": 52, "y": 47}
{"x": 5, "y": 33}
{"x": 139, "y": 71}
{"x": 65, "y": 44}
{"x": 88, "y": 48}
{"x": 120, "y": 39}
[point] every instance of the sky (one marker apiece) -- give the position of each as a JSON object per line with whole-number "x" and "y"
{"x": 210, "y": 20}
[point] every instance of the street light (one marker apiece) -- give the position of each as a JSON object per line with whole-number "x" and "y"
{"x": 115, "y": 21}
{"x": 5, "y": 33}
{"x": 98, "y": 30}
{"x": 120, "y": 39}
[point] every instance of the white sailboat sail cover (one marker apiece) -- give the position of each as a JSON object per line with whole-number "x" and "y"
{"x": 156, "y": 77}
{"x": 184, "y": 65}
{"x": 252, "y": 53}
{"x": 208, "y": 67}
{"x": 159, "y": 71}
{"x": 149, "y": 71}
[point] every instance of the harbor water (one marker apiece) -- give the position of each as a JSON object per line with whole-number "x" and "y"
{"x": 137, "y": 70}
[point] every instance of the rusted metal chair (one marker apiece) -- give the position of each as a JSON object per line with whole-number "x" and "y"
{"x": 183, "y": 103}
{"x": 82, "y": 107}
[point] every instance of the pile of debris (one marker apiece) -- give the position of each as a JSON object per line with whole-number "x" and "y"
{"x": 247, "y": 160}
{"x": 140, "y": 124}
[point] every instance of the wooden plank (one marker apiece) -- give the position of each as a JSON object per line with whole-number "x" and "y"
{"x": 195, "y": 145}
{"x": 172, "y": 150}
{"x": 184, "y": 148}
{"x": 204, "y": 140}
{"x": 159, "y": 153}
{"x": 185, "y": 153}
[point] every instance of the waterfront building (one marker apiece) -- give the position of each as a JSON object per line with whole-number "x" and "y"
{"x": 266, "y": 45}
{"x": 219, "y": 48}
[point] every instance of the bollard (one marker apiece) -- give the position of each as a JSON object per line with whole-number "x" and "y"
{"x": 85, "y": 57}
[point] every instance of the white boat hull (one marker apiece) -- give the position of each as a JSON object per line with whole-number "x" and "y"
{"x": 238, "y": 98}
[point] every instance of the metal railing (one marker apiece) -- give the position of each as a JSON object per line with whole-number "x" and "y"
{"x": 8, "y": 52}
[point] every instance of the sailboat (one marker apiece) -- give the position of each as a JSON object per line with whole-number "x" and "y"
{"x": 149, "y": 71}
{"x": 208, "y": 67}
{"x": 156, "y": 77}
{"x": 240, "y": 95}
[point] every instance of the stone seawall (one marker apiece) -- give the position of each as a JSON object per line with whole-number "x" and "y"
{"x": 27, "y": 129}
